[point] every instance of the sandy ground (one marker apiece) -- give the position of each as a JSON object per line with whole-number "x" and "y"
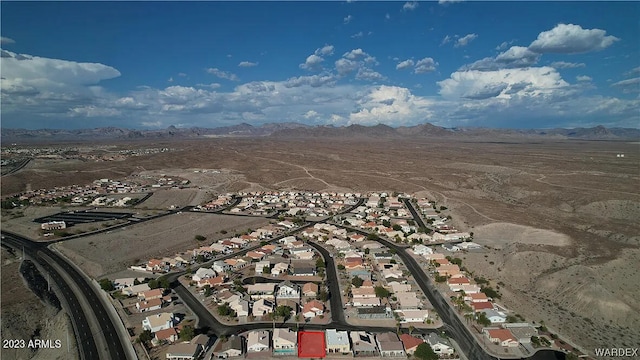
{"x": 498, "y": 235}
{"x": 112, "y": 252}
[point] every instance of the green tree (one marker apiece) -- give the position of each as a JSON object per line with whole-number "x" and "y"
{"x": 320, "y": 263}
{"x": 136, "y": 281}
{"x": 266, "y": 269}
{"x": 381, "y": 292}
{"x": 483, "y": 320}
{"x": 490, "y": 292}
{"x": 397, "y": 227}
{"x": 146, "y": 336}
{"x": 386, "y": 223}
{"x": 225, "y": 310}
{"x": 366, "y": 251}
{"x": 106, "y": 285}
{"x": 207, "y": 290}
{"x": 187, "y": 333}
{"x": 284, "y": 312}
{"x": 356, "y": 281}
{"x": 425, "y": 352}
{"x": 341, "y": 267}
{"x": 440, "y": 279}
{"x": 372, "y": 236}
{"x": 323, "y": 295}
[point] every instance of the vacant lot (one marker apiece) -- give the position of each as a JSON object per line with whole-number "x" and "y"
{"x": 171, "y": 198}
{"x": 112, "y": 252}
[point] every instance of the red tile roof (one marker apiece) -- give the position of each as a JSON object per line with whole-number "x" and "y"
{"x": 409, "y": 341}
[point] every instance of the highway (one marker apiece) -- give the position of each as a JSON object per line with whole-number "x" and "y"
{"x": 49, "y": 260}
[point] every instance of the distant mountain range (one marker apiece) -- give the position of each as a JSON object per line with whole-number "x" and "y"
{"x": 295, "y": 130}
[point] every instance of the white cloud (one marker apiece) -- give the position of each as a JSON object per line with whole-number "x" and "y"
{"x": 359, "y": 54}
{"x": 628, "y": 86}
{"x": 633, "y": 71}
{"x": 390, "y": 105}
{"x": 311, "y": 114}
{"x": 447, "y": 39}
{"x": 182, "y": 74}
{"x": 515, "y": 57}
{"x": 210, "y": 86}
{"x": 566, "y": 65}
{"x": 403, "y": 65}
{"x": 503, "y": 83}
{"x": 387, "y": 16}
{"x": 425, "y": 65}
{"x": 367, "y": 74}
{"x": 571, "y": 39}
{"x": 583, "y": 78}
{"x": 223, "y": 74}
{"x": 410, "y": 5}
{"x": 6, "y": 41}
{"x": 247, "y": 64}
{"x": 325, "y": 50}
{"x": 442, "y": 2}
{"x": 357, "y": 35}
{"x": 93, "y": 111}
{"x": 313, "y": 81}
{"x": 346, "y": 66}
{"x": 347, "y": 19}
{"x": 465, "y": 40}
{"x": 312, "y": 63}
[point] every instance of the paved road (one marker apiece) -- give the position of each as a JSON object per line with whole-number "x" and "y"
{"x": 49, "y": 259}
{"x": 335, "y": 298}
{"x": 416, "y": 217}
{"x": 19, "y": 167}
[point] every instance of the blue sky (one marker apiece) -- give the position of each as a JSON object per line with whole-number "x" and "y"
{"x": 152, "y": 65}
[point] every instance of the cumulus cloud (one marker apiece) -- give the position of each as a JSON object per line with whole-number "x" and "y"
{"x": 6, "y": 41}
{"x": 313, "y": 81}
{"x": 325, "y": 50}
{"x": 247, "y": 64}
{"x": 571, "y": 39}
{"x": 566, "y": 65}
{"x": 359, "y": 54}
{"x": 347, "y": 19}
{"x": 346, "y": 66}
{"x": 515, "y": 57}
{"x": 465, "y": 40}
{"x": 311, "y": 114}
{"x": 367, "y": 74}
{"x": 503, "y": 83}
{"x": 312, "y": 63}
{"x": 633, "y": 71}
{"x": 410, "y": 5}
{"x": 403, "y": 65}
{"x": 425, "y": 65}
{"x": 390, "y": 105}
{"x": 222, "y": 74}
{"x": 93, "y": 111}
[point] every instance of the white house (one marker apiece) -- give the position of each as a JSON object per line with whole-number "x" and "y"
{"x": 159, "y": 322}
{"x": 203, "y": 273}
{"x": 288, "y": 290}
{"x": 284, "y": 341}
{"x": 414, "y": 316}
{"x": 262, "y": 307}
{"x": 261, "y": 265}
{"x": 258, "y": 341}
{"x": 439, "y": 345}
{"x": 337, "y": 342}
{"x": 241, "y": 307}
{"x": 422, "y": 250}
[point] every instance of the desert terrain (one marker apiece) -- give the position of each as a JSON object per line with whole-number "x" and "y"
{"x": 559, "y": 218}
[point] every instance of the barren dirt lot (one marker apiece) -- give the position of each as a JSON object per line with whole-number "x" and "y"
{"x": 112, "y": 252}
{"x": 538, "y": 194}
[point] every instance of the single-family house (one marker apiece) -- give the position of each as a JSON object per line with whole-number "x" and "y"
{"x": 496, "y": 317}
{"x": 151, "y": 294}
{"x": 280, "y": 268}
{"x": 260, "y": 266}
{"x": 261, "y": 291}
{"x": 288, "y": 290}
{"x": 475, "y": 297}
{"x": 410, "y": 343}
{"x": 337, "y": 342}
{"x": 168, "y": 335}
{"x": 203, "y": 273}
{"x": 479, "y": 306}
{"x": 184, "y": 351}
{"x": 258, "y": 341}
{"x": 262, "y": 307}
{"x": 241, "y": 307}
{"x": 440, "y": 345}
{"x": 373, "y": 312}
{"x": 158, "y": 322}
{"x": 135, "y": 289}
{"x": 408, "y": 301}
{"x": 312, "y": 309}
{"x": 502, "y": 337}
{"x": 150, "y": 305}
{"x": 365, "y": 302}
{"x": 364, "y": 344}
{"x": 310, "y": 289}
{"x": 363, "y": 293}
{"x": 284, "y": 341}
{"x": 221, "y": 266}
{"x": 414, "y": 316}
{"x": 229, "y": 349}
{"x": 390, "y": 345}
